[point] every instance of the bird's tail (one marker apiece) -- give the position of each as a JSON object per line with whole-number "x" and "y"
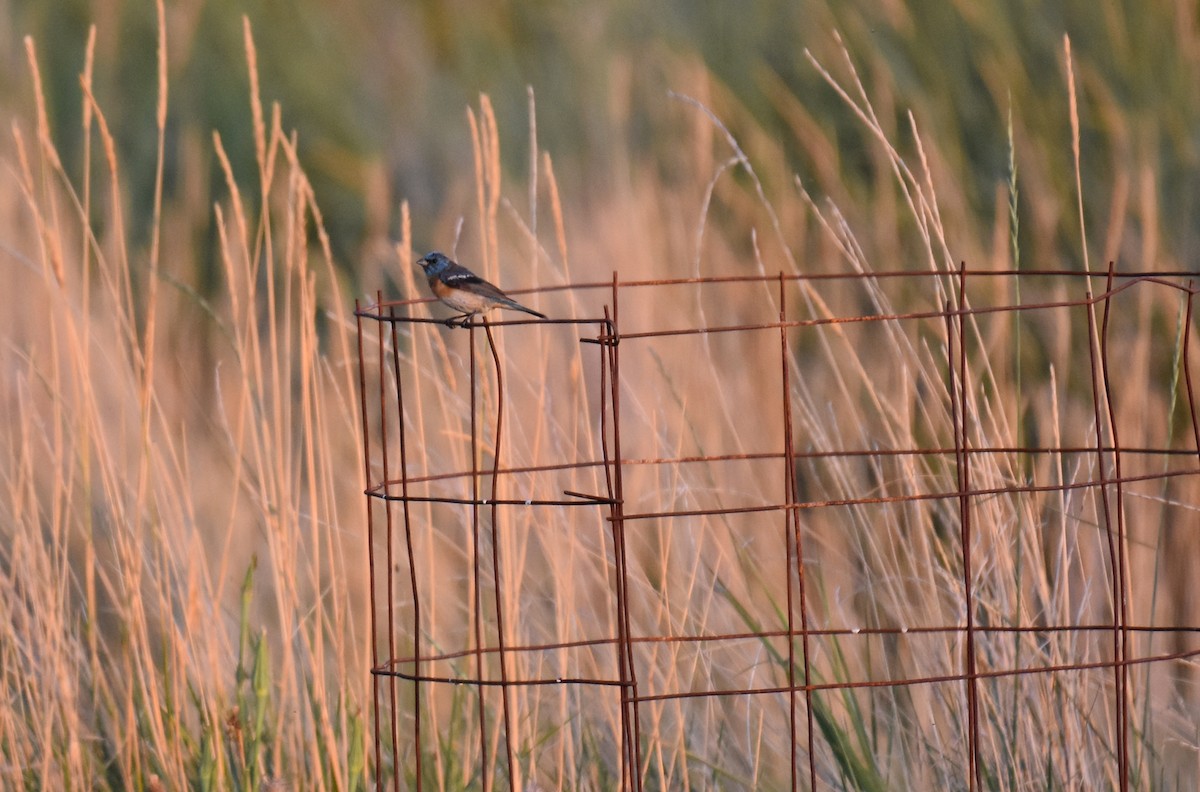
{"x": 516, "y": 306}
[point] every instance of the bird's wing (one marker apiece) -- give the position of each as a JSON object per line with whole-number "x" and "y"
{"x": 460, "y": 277}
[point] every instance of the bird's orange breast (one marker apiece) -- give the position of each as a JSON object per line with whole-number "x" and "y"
{"x": 459, "y": 299}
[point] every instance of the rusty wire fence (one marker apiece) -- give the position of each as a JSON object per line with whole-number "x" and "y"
{"x": 772, "y": 531}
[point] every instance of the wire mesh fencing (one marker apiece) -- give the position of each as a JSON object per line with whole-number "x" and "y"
{"x": 775, "y": 532}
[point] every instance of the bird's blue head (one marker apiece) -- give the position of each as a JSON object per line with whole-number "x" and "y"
{"x": 435, "y": 263}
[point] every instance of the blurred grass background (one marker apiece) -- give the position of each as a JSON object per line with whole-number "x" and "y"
{"x": 185, "y": 659}
{"x": 377, "y": 91}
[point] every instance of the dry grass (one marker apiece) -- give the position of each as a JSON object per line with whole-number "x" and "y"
{"x": 160, "y": 446}
{"x": 183, "y": 589}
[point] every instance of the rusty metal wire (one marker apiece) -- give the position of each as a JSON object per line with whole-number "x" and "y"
{"x": 394, "y": 486}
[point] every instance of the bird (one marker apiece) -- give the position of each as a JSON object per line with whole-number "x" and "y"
{"x": 463, "y": 290}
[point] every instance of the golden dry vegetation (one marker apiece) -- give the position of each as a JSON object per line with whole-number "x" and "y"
{"x": 184, "y": 601}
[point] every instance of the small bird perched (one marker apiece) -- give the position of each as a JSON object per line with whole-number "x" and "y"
{"x": 463, "y": 290}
